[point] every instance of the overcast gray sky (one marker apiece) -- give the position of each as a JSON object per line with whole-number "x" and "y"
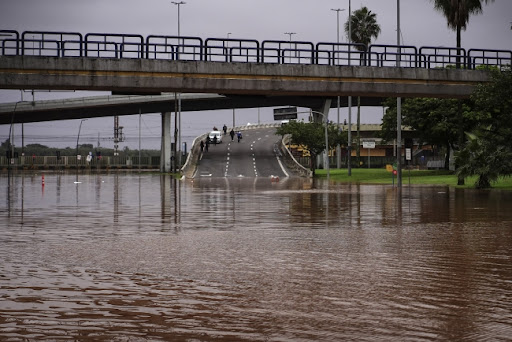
{"x": 311, "y": 20}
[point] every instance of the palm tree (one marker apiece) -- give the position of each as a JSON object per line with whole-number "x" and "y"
{"x": 364, "y": 27}
{"x": 457, "y": 13}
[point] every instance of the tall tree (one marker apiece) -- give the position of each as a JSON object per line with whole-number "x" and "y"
{"x": 488, "y": 154}
{"x": 457, "y": 13}
{"x": 363, "y": 27}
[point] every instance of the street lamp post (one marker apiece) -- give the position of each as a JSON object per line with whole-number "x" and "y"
{"x": 178, "y": 156}
{"x": 398, "y": 108}
{"x": 338, "y": 147}
{"x": 290, "y": 34}
{"x": 77, "y": 139}
{"x": 349, "y": 143}
{"x": 326, "y": 140}
{"x": 327, "y": 168}
{"x": 338, "y": 10}
{"x": 11, "y": 134}
{"x": 229, "y": 34}
{"x": 178, "y": 3}
{"x": 225, "y": 45}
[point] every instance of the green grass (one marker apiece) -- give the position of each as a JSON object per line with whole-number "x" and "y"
{"x": 425, "y": 177}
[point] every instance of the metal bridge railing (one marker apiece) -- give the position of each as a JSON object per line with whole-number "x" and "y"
{"x": 48, "y": 43}
{"x": 389, "y": 55}
{"x": 228, "y": 50}
{"x": 114, "y": 45}
{"x": 174, "y": 48}
{"x": 439, "y": 57}
{"x": 480, "y": 57}
{"x": 339, "y": 53}
{"x": 232, "y": 50}
{"x": 287, "y": 52}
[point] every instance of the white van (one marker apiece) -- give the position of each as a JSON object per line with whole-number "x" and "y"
{"x": 214, "y": 134}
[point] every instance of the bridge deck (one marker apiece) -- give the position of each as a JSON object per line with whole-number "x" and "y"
{"x": 150, "y": 76}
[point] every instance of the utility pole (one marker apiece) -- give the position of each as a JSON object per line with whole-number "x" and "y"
{"x": 338, "y": 147}
{"x": 179, "y": 5}
{"x": 178, "y": 156}
{"x": 349, "y": 144}
{"x": 398, "y": 108}
{"x": 290, "y": 34}
{"x": 77, "y": 139}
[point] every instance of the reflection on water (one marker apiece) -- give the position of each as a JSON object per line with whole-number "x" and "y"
{"x": 127, "y": 257}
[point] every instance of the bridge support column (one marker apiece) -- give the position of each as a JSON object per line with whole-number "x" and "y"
{"x": 165, "y": 150}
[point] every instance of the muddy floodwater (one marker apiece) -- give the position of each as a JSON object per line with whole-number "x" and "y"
{"x": 143, "y": 257}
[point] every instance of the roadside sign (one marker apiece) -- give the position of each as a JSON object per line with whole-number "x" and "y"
{"x": 368, "y": 144}
{"x": 408, "y": 154}
{"x": 287, "y": 113}
{"x": 389, "y": 168}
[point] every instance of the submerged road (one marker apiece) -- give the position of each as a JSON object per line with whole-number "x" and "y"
{"x": 253, "y": 156}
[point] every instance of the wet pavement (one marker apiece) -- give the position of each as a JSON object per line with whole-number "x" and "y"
{"x": 143, "y": 257}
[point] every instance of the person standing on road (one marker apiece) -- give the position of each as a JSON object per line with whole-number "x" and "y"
{"x": 239, "y": 135}
{"x": 207, "y": 144}
{"x": 232, "y": 134}
{"x": 202, "y": 145}
{"x": 225, "y": 129}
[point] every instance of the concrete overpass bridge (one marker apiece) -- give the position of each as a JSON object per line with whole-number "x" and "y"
{"x": 127, "y": 63}
{"x": 242, "y": 70}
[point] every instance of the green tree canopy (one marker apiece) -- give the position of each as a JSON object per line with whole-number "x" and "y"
{"x": 457, "y": 13}
{"x": 488, "y": 154}
{"x": 434, "y": 120}
{"x": 36, "y": 146}
{"x": 364, "y": 27}
{"x": 311, "y": 136}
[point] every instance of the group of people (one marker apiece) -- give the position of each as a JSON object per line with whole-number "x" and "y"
{"x": 205, "y": 144}
{"x": 238, "y": 135}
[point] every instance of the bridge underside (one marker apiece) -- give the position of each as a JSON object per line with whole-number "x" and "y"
{"x": 105, "y": 106}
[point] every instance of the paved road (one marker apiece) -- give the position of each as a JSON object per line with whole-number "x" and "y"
{"x": 253, "y": 156}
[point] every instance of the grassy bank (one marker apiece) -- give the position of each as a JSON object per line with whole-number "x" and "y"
{"x": 427, "y": 177}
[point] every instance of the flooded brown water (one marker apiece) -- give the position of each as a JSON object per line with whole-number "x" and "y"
{"x": 129, "y": 257}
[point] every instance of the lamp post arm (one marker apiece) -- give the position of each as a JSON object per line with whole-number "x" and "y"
{"x": 326, "y": 140}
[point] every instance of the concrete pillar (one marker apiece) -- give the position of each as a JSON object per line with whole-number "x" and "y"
{"x": 165, "y": 149}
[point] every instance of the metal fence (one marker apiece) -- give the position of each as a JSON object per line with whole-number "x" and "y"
{"x": 227, "y": 50}
{"x": 72, "y": 162}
